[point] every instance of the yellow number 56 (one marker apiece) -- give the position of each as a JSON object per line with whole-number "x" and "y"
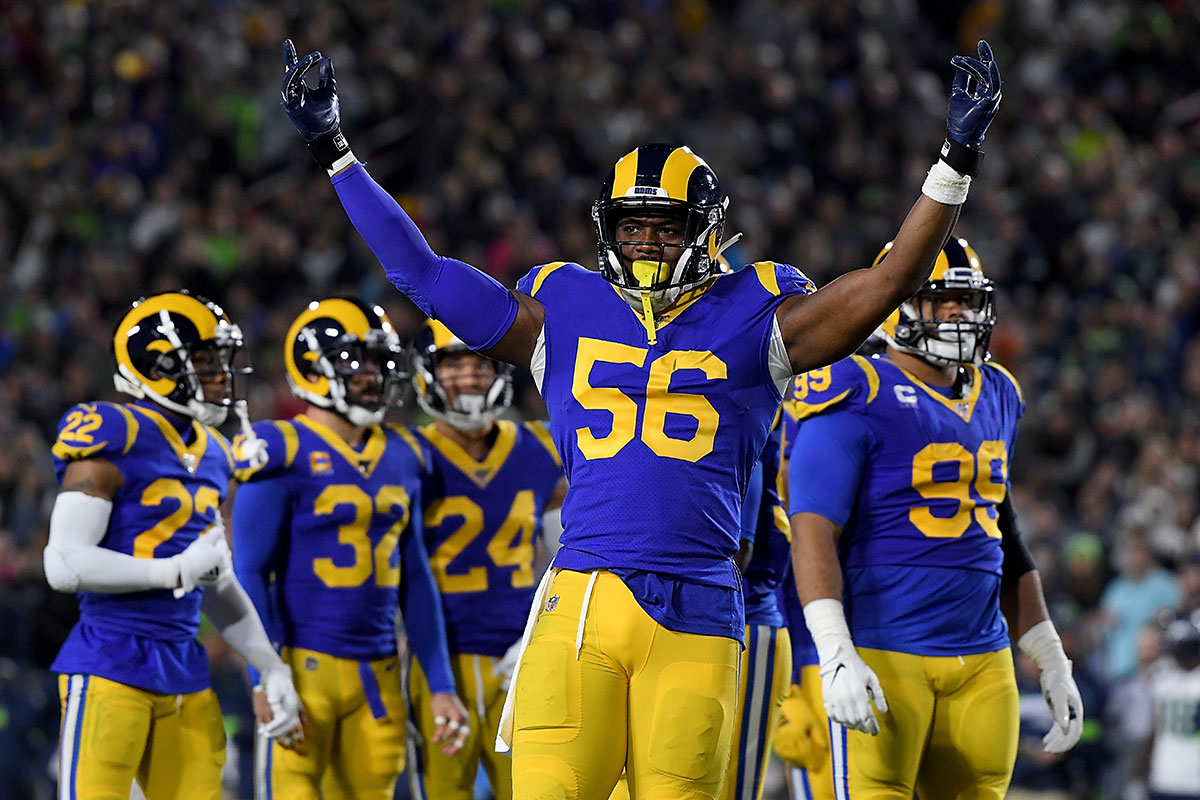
{"x": 660, "y": 401}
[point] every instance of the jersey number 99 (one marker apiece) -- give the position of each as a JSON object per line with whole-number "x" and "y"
{"x": 986, "y": 470}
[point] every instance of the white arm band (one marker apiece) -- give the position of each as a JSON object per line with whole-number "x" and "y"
{"x": 229, "y": 609}
{"x": 1041, "y": 643}
{"x": 552, "y": 529}
{"x": 946, "y": 185}
{"x": 74, "y": 560}
{"x": 826, "y": 621}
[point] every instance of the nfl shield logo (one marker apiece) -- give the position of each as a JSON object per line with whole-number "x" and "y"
{"x": 552, "y": 603}
{"x": 189, "y": 461}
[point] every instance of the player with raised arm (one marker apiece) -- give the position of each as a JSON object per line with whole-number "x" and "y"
{"x": 327, "y": 540}
{"x": 490, "y": 486}
{"x": 137, "y": 532}
{"x": 661, "y": 378}
{"x": 907, "y": 554}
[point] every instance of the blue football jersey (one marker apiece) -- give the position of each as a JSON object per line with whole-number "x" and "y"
{"x": 172, "y": 493}
{"x": 771, "y": 556}
{"x": 337, "y": 573}
{"x": 920, "y": 547}
{"x": 481, "y": 521}
{"x": 659, "y": 439}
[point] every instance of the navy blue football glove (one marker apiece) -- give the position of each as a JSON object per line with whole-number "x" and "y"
{"x": 315, "y": 111}
{"x": 974, "y": 97}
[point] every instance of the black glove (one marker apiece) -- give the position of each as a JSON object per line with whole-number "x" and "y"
{"x": 315, "y": 112}
{"x": 974, "y": 101}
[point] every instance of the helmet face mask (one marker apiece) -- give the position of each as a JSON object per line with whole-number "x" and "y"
{"x": 345, "y": 356}
{"x": 950, "y": 319}
{"x": 180, "y": 351}
{"x": 439, "y": 355}
{"x": 656, "y": 181}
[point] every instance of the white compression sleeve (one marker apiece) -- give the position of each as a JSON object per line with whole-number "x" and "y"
{"x": 74, "y": 560}
{"x": 228, "y": 607}
{"x": 552, "y": 529}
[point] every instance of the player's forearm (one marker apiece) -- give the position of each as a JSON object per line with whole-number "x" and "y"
{"x": 229, "y": 609}
{"x": 75, "y": 562}
{"x": 1024, "y": 604}
{"x": 476, "y": 307}
{"x": 815, "y": 559}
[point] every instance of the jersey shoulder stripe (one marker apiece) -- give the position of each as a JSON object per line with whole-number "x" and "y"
{"x": 88, "y": 430}
{"x": 532, "y": 282}
{"x": 1011, "y": 378}
{"x": 852, "y": 382}
{"x": 782, "y": 279}
{"x": 282, "y": 445}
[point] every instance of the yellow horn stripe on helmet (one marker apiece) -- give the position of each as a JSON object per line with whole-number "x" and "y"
{"x": 442, "y": 337}
{"x": 677, "y": 170}
{"x": 347, "y": 314}
{"x": 146, "y": 312}
{"x": 625, "y": 174}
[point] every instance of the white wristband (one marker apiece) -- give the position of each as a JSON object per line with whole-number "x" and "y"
{"x": 343, "y": 162}
{"x": 826, "y": 621}
{"x": 1041, "y": 643}
{"x": 946, "y": 185}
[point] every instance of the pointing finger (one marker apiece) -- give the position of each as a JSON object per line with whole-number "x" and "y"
{"x": 289, "y": 53}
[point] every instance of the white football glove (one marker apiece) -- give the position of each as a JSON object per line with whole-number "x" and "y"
{"x": 1041, "y": 643}
{"x": 848, "y": 685}
{"x": 276, "y": 683}
{"x": 507, "y": 665}
{"x": 202, "y": 562}
{"x": 248, "y": 448}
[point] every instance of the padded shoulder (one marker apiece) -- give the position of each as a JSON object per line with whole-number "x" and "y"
{"x": 532, "y": 283}
{"x": 95, "y": 430}
{"x": 282, "y": 445}
{"x": 995, "y": 371}
{"x": 849, "y": 383}
{"x": 542, "y": 434}
{"x": 407, "y": 439}
{"x": 781, "y": 280}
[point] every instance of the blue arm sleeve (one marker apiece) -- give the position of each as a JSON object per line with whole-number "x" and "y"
{"x": 477, "y": 308}
{"x": 752, "y": 503}
{"x": 828, "y": 460}
{"x": 422, "y": 608}
{"x": 260, "y": 523}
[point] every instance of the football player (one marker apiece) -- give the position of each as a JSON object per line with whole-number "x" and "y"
{"x": 661, "y": 378}
{"x": 899, "y": 495}
{"x": 490, "y": 485}
{"x": 327, "y": 540}
{"x": 137, "y": 532}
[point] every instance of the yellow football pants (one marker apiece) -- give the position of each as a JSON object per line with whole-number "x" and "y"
{"x": 815, "y": 783}
{"x": 620, "y": 691}
{"x": 950, "y": 730}
{"x": 354, "y": 742}
{"x": 112, "y": 734}
{"x": 441, "y": 777}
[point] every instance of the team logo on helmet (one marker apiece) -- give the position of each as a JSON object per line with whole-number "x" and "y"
{"x": 334, "y": 340}
{"x": 179, "y": 351}
{"x": 467, "y": 412}
{"x": 661, "y": 180}
{"x": 915, "y": 327}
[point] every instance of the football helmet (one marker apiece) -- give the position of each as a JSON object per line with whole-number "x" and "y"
{"x": 1182, "y": 635}
{"x": 667, "y": 180}
{"x": 941, "y": 341}
{"x": 467, "y": 412}
{"x": 167, "y": 344}
{"x": 331, "y": 341}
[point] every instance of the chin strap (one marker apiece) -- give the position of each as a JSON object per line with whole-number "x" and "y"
{"x": 645, "y": 272}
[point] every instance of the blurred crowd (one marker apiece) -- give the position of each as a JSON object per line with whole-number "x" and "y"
{"x": 142, "y": 148}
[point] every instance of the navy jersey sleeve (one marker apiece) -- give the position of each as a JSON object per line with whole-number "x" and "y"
{"x": 828, "y": 461}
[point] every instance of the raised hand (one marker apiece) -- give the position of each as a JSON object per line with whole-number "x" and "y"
{"x": 315, "y": 112}
{"x": 974, "y": 97}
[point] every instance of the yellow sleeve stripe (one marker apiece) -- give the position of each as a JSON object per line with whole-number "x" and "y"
{"x": 872, "y": 376}
{"x": 407, "y": 436}
{"x": 806, "y": 410}
{"x": 131, "y": 426}
{"x": 216, "y": 436}
{"x": 1011, "y": 377}
{"x": 544, "y": 273}
{"x": 538, "y": 429}
{"x": 291, "y": 442}
{"x": 68, "y": 452}
{"x": 765, "y": 270}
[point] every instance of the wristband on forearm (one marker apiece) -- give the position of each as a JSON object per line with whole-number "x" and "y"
{"x": 966, "y": 160}
{"x": 332, "y": 152}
